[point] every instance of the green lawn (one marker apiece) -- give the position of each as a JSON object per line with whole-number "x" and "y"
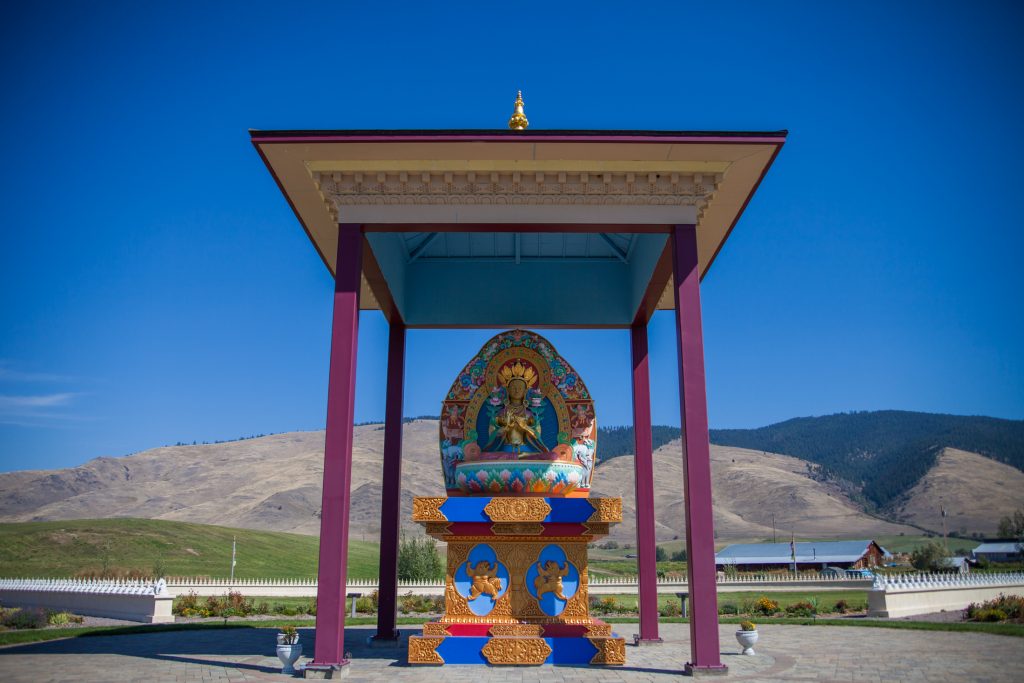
{"x": 61, "y": 549}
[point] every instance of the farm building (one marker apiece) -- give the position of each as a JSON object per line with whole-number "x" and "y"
{"x": 1007, "y": 551}
{"x": 809, "y": 555}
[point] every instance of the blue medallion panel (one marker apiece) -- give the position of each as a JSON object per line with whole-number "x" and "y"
{"x": 552, "y": 580}
{"x": 482, "y": 580}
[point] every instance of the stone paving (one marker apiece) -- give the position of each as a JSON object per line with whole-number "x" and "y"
{"x": 784, "y": 653}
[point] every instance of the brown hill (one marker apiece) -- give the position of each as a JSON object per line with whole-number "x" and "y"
{"x": 749, "y": 489}
{"x": 274, "y": 483}
{"x": 974, "y": 490}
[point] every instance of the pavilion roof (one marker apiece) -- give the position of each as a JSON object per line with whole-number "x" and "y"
{"x": 576, "y": 220}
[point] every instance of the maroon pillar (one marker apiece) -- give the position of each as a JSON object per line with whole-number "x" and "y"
{"x": 391, "y": 491}
{"x": 693, "y": 406}
{"x": 644, "y": 477}
{"x": 330, "y": 614}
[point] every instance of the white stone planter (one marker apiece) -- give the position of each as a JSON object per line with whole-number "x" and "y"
{"x": 288, "y": 654}
{"x": 746, "y": 640}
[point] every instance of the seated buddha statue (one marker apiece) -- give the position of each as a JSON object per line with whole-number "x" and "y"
{"x": 514, "y": 428}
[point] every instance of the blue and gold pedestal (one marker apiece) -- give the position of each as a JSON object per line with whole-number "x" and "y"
{"x": 516, "y": 582}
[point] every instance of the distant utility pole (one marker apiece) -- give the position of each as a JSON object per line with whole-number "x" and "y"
{"x": 774, "y": 539}
{"x": 945, "y": 539}
{"x": 234, "y": 540}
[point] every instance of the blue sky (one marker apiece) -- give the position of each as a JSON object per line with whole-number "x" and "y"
{"x": 155, "y": 287}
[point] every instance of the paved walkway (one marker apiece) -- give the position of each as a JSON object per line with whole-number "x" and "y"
{"x": 785, "y": 653}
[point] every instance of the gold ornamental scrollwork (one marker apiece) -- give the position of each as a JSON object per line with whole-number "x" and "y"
{"x": 606, "y": 510}
{"x": 596, "y": 630}
{"x": 507, "y": 509}
{"x": 432, "y": 628}
{"x": 423, "y": 650}
{"x": 516, "y": 651}
{"x": 609, "y": 650}
{"x": 425, "y": 509}
{"x": 437, "y": 529}
{"x": 517, "y": 528}
{"x": 535, "y": 630}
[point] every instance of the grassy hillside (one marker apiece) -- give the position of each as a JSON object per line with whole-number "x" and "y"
{"x": 58, "y": 549}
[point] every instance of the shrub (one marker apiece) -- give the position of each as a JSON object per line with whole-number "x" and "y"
{"x": 679, "y": 556}
{"x": 989, "y": 615}
{"x": 366, "y": 606}
{"x": 748, "y": 626}
{"x": 998, "y": 609}
{"x": 262, "y": 608}
{"x": 30, "y": 617}
{"x": 766, "y": 606}
{"x": 62, "y": 618}
{"x": 184, "y": 605}
{"x": 670, "y": 609}
{"x": 842, "y": 606}
{"x": 407, "y": 603}
{"x": 660, "y": 554}
{"x": 803, "y": 608}
{"x": 728, "y": 608}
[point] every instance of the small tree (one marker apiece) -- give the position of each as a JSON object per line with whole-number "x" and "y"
{"x": 930, "y": 557}
{"x": 419, "y": 560}
{"x": 660, "y": 554}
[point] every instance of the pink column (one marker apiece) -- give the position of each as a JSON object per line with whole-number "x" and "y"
{"x": 700, "y": 536}
{"x": 391, "y": 490}
{"x": 330, "y": 615}
{"x": 644, "y": 477}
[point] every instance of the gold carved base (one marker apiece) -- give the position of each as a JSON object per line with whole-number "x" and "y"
{"x": 517, "y": 650}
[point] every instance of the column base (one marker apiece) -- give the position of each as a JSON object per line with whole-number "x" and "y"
{"x": 638, "y": 641}
{"x": 327, "y": 671}
{"x": 701, "y": 671}
{"x": 383, "y": 641}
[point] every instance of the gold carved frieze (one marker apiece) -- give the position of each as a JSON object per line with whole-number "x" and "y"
{"x": 596, "y": 630}
{"x": 606, "y": 510}
{"x": 596, "y": 529}
{"x": 516, "y": 651}
{"x": 609, "y": 651}
{"x": 508, "y": 509}
{"x": 428, "y": 509}
{"x": 517, "y": 528}
{"x": 534, "y": 630}
{"x": 433, "y": 628}
{"x": 423, "y": 650}
{"x": 437, "y": 529}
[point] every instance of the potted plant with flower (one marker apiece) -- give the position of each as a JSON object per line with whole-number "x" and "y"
{"x": 288, "y": 648}
{"x": 747, "y": 636}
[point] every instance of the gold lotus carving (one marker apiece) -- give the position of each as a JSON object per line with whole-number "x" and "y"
{"x": 426, "y": 509}
{"x": 507, "y": 509}
{"x": 516, "y": 651}
{"x": 423, "y": 650}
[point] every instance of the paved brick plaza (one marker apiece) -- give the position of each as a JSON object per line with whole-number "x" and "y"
{"x": 786, "y": 653}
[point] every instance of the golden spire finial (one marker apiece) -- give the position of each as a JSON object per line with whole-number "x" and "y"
{"x": 518, "y": 120}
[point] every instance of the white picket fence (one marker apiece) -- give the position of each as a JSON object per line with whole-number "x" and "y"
{"x": 597, "y": 585}
{"x": 903, "y": 595}
{"x": 134, "y": 600}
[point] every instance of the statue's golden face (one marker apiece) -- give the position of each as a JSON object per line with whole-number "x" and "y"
{"x": 516, "y": 389}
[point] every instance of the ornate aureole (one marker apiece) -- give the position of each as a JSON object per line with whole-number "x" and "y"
{"x": 569, "y": 429}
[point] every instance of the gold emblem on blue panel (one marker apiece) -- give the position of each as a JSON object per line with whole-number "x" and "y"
{"x": 482, "y": 580}
{"x": 552, "y": 580}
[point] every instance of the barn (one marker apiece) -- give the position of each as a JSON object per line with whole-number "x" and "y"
{"x": 809, "y": 555}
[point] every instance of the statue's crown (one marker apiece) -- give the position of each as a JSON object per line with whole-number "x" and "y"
{"x": 517, "y": 371}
